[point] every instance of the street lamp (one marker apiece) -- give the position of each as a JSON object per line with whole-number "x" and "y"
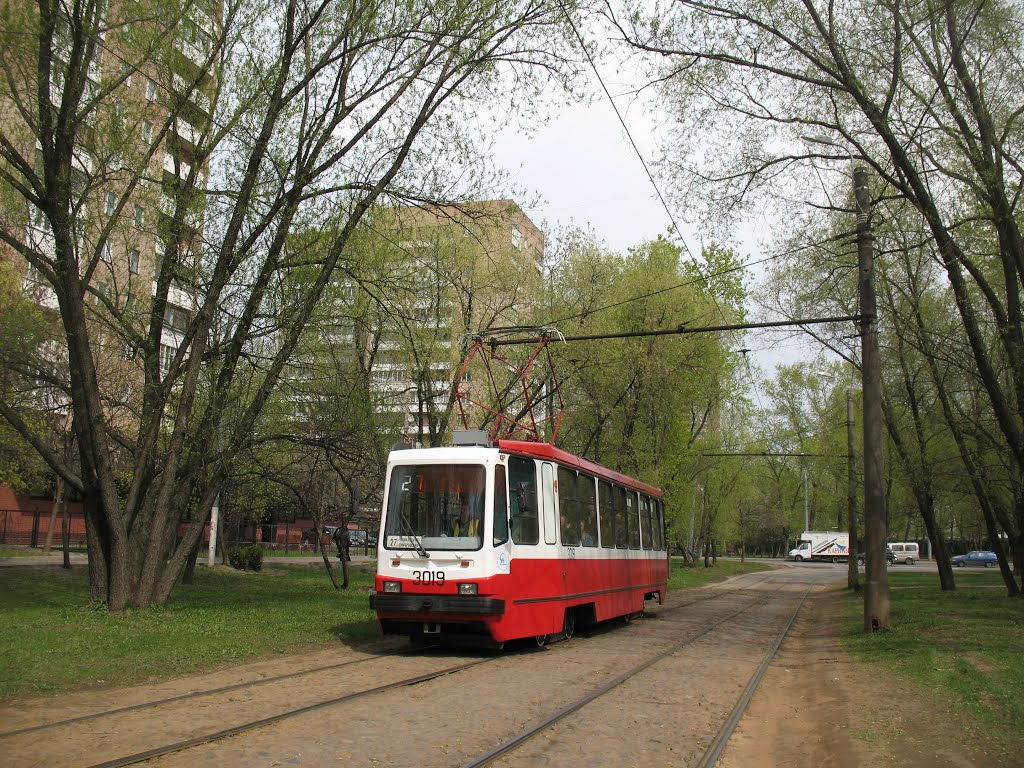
{"x": 876, "y": 578}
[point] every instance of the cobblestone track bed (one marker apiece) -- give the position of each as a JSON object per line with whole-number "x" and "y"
{"x": 454, "y": 719}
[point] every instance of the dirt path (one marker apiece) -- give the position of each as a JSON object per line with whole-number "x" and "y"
{"x": 816, "y": 706}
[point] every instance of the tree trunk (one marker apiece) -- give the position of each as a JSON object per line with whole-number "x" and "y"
{"x": 344, "y": 571}
{"x": 190, "y": 565}
{"x": 65, "y": 532}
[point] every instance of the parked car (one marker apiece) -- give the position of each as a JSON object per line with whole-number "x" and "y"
{"x": 326, "y": 534}
{"x": 977, "y": 557}
{"x": 890, "y": 558}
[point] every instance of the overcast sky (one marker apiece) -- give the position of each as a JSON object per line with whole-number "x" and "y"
{"x": 585, "y": 172}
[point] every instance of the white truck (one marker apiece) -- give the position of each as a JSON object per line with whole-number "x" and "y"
{"x": 833, "y": 546}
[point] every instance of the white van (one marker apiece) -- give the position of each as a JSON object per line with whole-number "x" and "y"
{"x": 905, "y": 551}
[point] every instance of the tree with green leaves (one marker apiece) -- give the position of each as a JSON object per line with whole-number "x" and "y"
{"x": 259, "y": 121}
{"x": 925, "y": 95}
{"x": 650, "y": 405}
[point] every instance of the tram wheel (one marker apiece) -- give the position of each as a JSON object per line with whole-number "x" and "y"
{"x": 628, "y": 618}
{"x": 541, "y": 640}
{"x": 569, "y": 624}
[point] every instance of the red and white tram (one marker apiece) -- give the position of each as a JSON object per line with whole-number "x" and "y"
{"x": 513, "y": 539}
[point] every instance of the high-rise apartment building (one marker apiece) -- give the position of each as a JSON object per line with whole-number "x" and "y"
{"x": 439, "y": 274}
{"x": 118, "y": 227}
{"x": 475, "y": 266}
{"x": 138, "y": 164}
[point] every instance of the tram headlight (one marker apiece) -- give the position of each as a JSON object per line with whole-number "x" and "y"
{"x": 467, "y": 589}
{"x": 392, "y": 586}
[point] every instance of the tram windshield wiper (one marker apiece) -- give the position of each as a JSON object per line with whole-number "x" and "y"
{"x": 412, "y": 534}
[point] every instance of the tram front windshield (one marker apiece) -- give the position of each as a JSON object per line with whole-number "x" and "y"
{"x": 435, "y": 507}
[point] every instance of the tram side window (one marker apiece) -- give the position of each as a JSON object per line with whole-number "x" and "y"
{"x": 646, "y": 526}
{"x": 633, "y": 519}
{"x": 588, "y": 510}
{"x": 523, "y": 482}
{"x": 500, "y": 506}
{"x": 606, "y": 508}
{"x": 621, "y": 529}
{"x": 568, "y": 507}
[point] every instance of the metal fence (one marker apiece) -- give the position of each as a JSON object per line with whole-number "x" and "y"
{"x": 27, "y": 527}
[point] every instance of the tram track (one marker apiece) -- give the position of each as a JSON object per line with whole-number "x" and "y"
{"x": 59, "y": 729}
{"x": 712, "y": 752}
{"x": 666, "y": 649}
{"x": 497, "y": 752}
{"x": 127, "y": 709}
{"x": 264, "y": 722}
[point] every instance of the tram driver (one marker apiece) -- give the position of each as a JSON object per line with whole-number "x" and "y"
{"x": 468, "y": 523}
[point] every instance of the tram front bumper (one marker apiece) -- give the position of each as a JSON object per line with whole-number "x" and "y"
{"x": 462, "y": 604}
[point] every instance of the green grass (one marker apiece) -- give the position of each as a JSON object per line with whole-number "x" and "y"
{"x": 52, "y": 639}
{"x": 11, "y": 550}
{"x": 684, "y": 578}
{"x": 962, "y": 649}
{"x": 23, "y": 550}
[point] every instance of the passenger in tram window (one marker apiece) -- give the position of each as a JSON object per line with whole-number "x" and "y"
{"x": 570, "y": 536}
{"x": 585, "y": 537}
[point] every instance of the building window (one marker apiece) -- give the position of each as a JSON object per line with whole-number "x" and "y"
{"x": 176, "y": 318}
{"x": 111, "y": 203}
{"x": 125, "y": 73}
{"x": 147, "y": 131}
{"x": 38, "y": 219}
{"x": 166, "y": 358}
{"x": 137, "y": 216}
{"x": 133, "y": 261}
{"x": 150, "y": 89}
{"x": 107, "y": 252}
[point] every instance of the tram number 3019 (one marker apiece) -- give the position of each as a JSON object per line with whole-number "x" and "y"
{"x": 427, "y": 577}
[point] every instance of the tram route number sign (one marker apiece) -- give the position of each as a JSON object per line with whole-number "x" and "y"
{"x": 401, "y": 542}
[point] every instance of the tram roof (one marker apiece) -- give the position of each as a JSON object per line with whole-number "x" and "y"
{"x": 551, "y": 453}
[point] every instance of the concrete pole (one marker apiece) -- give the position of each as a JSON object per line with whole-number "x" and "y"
{"x": 852, "y": 577}
{"x": 876, "y": 576}
{"x": 211, "y": 555}
{"x": 807, "y": 518}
